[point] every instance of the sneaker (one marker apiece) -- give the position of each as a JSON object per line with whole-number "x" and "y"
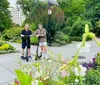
{"x": 22, "y": 57}
{"x": 30, "y": 57}
{"x": 39, "y": 56}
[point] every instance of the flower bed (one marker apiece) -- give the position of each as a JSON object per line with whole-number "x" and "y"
{"x": 6, "y": 48}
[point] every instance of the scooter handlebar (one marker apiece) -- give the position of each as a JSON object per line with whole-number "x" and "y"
{"x": 26, "y": 35}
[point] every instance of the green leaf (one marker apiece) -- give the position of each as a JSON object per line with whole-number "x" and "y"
{"x": 24, "y": 78}
{"x": 40, "y": 83}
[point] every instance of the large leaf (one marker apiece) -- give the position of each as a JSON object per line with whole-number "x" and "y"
{"x": 24, "y": 78}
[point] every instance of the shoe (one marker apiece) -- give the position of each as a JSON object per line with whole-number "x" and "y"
{"x": 39, "y": 56}
{"x": 30, "y": 57}
{"x": 22, "y": 57}
{"x": 36, "y": 59}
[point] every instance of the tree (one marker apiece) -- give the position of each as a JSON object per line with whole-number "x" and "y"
{"x": 72, "y": 9}
{"x": 97, "y": 12}
{"x": 5, "y": 21}
{"x": 91, "y": 10}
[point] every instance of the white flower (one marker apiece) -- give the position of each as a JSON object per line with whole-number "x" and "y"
{"x": 35, "y": 82}
{"x": 29, "y": 71}
{"x": 85, "y": 48}
{"x": 38, "y": 74}
{"x": 77, "y": 73}
{"x": 76, "y": 80}
{"x": 46, "y": 78}
{"x": 81, "y": 71}
{"x": 50, "y": 61}
{"x": 76, "y": 69}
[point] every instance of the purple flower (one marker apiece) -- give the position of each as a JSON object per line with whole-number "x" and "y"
{"x": 94, "y": 59}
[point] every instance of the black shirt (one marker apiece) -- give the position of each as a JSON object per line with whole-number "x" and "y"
{"x": 26, "y": 35}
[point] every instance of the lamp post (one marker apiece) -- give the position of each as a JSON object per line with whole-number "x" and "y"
{"x": 49, "y": 29}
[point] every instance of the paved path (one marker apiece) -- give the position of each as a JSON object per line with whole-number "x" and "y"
{"x": 8, "y": 62}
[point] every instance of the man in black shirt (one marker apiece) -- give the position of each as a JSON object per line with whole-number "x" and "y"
{"x": 26, "y": 34}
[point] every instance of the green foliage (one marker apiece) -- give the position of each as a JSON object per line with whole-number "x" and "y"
{"x": 24, "y": 78}
{"x": 5, "y": 21}
{"x": 33, "y": 26}
{"x": 97, "y": 28}
{"x": 92, "y": 77}
{"x": 34, "y": 40}
{"x": 61, "y": 38}
{"x": 77, "y": 28}
{"x": 6, "y": 48}
{"x": 97, "y": 12}
{"x": 92, "y": 10}
{"x": 76, "y": 38}
{"x": 98, "y": 59}
{"x": 72, "y": 7}
{"x": 35, "y": 11}
{"x": 87, "y": 10}
{"x": 12, "y": 34}
{"x": 69, "y": 79}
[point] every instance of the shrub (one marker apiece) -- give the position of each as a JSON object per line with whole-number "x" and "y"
{"x": 77, "y": 28}
{"x": 12, "y": 34}
{"x": 61, "y": 38}
{"x": 4, "y": 47}
{"x": 33, "y": 26}
{"x": 34, "y": 40}
{"x": 75, "y": 38}
{"x": 92, "y": 77}
{"x": 97, "y": 28}
{"x": 98, "y": 58}
{"x": 67, "y": 39}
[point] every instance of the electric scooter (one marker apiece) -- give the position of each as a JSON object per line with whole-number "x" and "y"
{"x": 26, "y": 53}
{"x": 37, "y": 51}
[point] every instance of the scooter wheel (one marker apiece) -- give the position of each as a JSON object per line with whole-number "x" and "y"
{"x": 27, "y": 59}
{"x": 36, "y": 59}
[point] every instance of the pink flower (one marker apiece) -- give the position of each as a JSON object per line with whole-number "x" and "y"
{"x": 63, "y": 73}
{"x": 65, "y": 61}
{"x": 42, "y": 66}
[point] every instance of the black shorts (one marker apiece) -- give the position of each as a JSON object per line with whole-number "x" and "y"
{"x": 24, "y": 44}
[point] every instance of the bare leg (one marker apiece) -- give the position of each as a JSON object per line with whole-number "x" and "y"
{"x": 45, "y": 51}
{"x": 42, "y": 51}
{"x": 29, "y": 52}
{"x": 22, "y": 52}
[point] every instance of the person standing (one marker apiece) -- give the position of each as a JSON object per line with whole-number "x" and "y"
{"x": 41, "y": 34}
{"x": 26, "y": 34}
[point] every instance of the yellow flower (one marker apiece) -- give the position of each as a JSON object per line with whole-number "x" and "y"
{"x": 4, "y": 47}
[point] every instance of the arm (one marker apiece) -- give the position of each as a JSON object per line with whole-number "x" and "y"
{"x": 22, "y": 34}
{"x": 36, "y": 33}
